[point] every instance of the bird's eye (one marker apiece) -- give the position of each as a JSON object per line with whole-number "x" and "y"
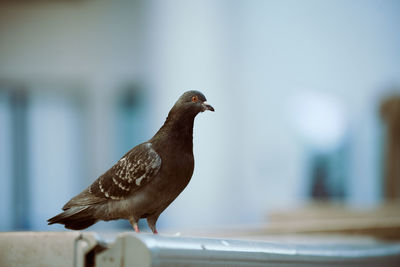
{"x": 194, "y": 99}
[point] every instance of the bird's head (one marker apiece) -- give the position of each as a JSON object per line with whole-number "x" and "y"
{"x": 180, "y": 118}
{"x": 192, "y": 102}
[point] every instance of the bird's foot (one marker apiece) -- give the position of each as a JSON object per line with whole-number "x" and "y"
{"x": 136, "y": 228}
{"x": 134, "y": 224}
{"x": 151, "y": 221}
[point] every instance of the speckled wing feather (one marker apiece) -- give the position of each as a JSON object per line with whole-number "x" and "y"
{"x": 134, "y": 170}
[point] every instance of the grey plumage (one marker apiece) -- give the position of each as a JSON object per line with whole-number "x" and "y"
{"x": 146, "y": 179}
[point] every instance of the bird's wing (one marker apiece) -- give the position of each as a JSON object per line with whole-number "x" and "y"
{"x": 134, "y": 170}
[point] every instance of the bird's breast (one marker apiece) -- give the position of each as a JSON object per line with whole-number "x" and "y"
{"x": 179, "y": 168}
{"x": 175, "y": 173}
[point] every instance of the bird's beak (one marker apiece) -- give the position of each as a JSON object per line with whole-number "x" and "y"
{"x": 207, "y": 106}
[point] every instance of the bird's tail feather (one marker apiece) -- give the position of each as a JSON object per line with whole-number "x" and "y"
{"x": 75, "y": 218}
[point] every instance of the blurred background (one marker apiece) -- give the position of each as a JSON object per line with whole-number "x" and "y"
{"x": 307, "y": 99}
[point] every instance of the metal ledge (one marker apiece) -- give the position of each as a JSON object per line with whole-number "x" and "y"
{"x": 129, "y": 249}
{"x": 149, "y": 250}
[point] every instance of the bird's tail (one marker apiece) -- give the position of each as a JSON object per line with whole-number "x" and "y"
{"x": 75, "y": 218}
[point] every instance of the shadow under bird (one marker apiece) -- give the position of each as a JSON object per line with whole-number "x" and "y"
{"x": 146, "y": 179}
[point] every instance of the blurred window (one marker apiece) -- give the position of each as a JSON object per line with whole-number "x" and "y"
{"x": 41, "y": 152}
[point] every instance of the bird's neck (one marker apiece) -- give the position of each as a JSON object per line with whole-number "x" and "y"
{"x": 178, "y": 129}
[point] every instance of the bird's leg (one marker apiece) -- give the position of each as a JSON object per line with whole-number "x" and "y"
{"x": 134, "y": 224}
{"x": 151, "y": 221}
{"x": 136, "y": 227}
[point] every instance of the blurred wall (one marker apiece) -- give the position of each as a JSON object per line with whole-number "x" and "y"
{"x": 288, "y": 79}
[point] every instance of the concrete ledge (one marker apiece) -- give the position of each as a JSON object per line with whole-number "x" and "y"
{"x": 62, "y": 249}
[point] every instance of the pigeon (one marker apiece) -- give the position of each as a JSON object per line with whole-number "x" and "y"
{"x": 144, "y": 182}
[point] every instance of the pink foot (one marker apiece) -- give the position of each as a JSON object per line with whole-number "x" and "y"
{"x": 136, "y": 227}
{"x": 155, "y": 232}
